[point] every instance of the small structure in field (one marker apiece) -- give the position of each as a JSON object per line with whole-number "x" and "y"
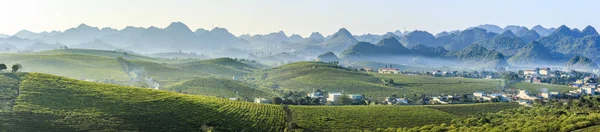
{"x": 389, "y": 70}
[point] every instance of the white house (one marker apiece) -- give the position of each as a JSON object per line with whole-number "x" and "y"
{"x": 436, "y": 72}
{"x": 544, "y": 71}
{"x": 355, "y": 96}
{"x": 479, "y": 94}
{"x": 529, "y": 72}
{"x": 315, "y": 94}
{"x": 439, "y": 100}
{"x": 589, "y": 88}
{"x": 402, "y": 100}
{"x": 389, "y": 70}
{"x": 524, "y": 94}
{"x": 333, "y": 96}
{"x": 525, "y": 102}
{"x": 261, "y": 100}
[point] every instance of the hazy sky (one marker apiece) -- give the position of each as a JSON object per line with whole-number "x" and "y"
{"x": 295, "y": 17}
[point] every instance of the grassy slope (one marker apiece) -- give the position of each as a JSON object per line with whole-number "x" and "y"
{"x": 536, "y": 88}
{"x": 320, "y": 118}
{"x": 52, "y": 103}
{"x": 217, "y": 87}
{"x": 595, "y": 128}
{"x": 442, "y": 85}
{"x": 305, "y": 76}
{"x": 472, "y": 109}
{"x": 101, "y": 65}
{"x": 9, "y": 86}
{"x": 103, "y": 53}
{"x": 400, "y": 67}
{"x": 220, "y": 66}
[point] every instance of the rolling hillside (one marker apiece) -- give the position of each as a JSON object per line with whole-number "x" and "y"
{"x": 306, "y": 76}
{"x": 220, "y": 66}
{"x": 346, "y": 118}
{"x": 53, "y": 103}
{"x": 218, "y": 87}
{"x": 104, "y": 66}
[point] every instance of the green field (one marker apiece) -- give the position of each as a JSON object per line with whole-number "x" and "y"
{"x": 595, "y": 128}
{"x": 537, "y": 88}
{"x": 52, "y": 103}
{"x": 305, "y": 76}
{"x": 101, "y": 65}
{"x": 429, "y": 85}
{"x": 218, "y": 87}
{"x": 325, "y": 118}
{"x": 9, "y": 90}
{"x": 473, "y": 109}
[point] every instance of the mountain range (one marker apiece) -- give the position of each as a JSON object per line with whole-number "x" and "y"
{"x": 514, "y": 44}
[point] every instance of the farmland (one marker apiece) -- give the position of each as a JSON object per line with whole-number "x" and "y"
{"x": 473, "y": 109}
{"x": 442, "y": 85}
{"x": 54, "y": 103}
{"x": 304, "y": 76}
{"x": 537, "y": 88}
{"x": 102, "y": 65}
{"x": 218, "y": 87}
{"x": 323, "y": 118}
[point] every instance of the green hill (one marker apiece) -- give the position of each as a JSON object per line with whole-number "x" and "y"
{"x": 220, "y": 66}
{"x": 401, "y": 67}
{"x": 217, "y": 87}
{"x": 346, "y": 118}
{"x": 306, "y": 76}
{"x": 52, "y": 103}
{"x": 580, "y": 62}
{"x": 328, "y": 57}
{"x": 104, "y": 66}
{"x": 532, "y": 53}
{"x": 91, "y": 52}
{"x": 476, "y": 55}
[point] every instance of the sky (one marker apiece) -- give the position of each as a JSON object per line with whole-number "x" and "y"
{"x": 294, "y": 16}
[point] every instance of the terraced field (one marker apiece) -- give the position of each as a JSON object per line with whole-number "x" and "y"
{"x": 101, "y": 65}
{"x": 304, "y": 76}
{"x": 218, "y": 87}
{"x": 52, "y": 103}
{"x": 340, "y": 118}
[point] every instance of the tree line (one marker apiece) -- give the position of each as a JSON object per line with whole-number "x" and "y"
{"x": 14, "y": 68}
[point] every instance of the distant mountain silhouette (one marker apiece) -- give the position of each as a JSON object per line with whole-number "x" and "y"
{"x": 96, "y": 44}
{"x": 528, "y": 35}
{"x": 491, "y": 28}
{"x": 6, "y": 47}
{"x": 339, "y": 40}
{"x": 543, "y": 31}
{"x": 328, "y": 57}
{"x": 479, "y": 55}
{"x": 467, "y": 37}
{"x": 419, "y": 37}
{"x": 513, "y": 28}
{"x": 533, "y": 53}
{"x": 580, "y": 62}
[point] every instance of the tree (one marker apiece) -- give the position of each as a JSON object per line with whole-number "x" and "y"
{"x": 16, "y": 67}
{"x": 277, "y": 100}
{"x": 2, "y": 67}
{"x": 345, "y": 100}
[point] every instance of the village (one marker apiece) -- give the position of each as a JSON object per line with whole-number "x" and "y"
{"x": 583, "y": 84}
